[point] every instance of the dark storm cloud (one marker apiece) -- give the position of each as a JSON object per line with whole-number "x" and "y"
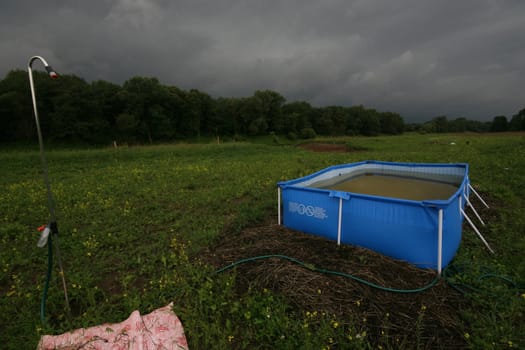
{"x": 419, "y": 58}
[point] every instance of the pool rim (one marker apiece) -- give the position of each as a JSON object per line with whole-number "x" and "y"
{"x": 434, "y": 202}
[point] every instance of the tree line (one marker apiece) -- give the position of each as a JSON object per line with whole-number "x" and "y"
{"x": 143, "y": 110}
{"x": 442, "y": 124}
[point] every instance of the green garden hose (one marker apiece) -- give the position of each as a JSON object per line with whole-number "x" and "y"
{"x": 447, "y": 276}
{"x": 451, "y": 271}
{"x": 48, "y": 278}
{"x": 329, "y": 272}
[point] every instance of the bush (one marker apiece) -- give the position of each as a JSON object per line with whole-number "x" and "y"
{"x": 239, "y": 138}
{"x": 275, "y": 139}
{"x": 308, "y": 133}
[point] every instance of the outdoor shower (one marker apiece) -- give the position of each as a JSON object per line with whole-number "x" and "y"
{"x": 49, "y": 231}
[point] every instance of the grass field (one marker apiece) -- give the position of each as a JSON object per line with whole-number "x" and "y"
{"x": 135, "y": 222}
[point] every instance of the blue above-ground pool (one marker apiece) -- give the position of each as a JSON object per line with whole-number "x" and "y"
{"x": 408, "y": 211}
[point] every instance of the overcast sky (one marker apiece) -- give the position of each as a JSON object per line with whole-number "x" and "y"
{"x": 460, "y": 58}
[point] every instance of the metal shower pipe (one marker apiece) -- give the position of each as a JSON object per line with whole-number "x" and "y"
{"x": 52, "y": 226}
{"x": 53, "y": 75}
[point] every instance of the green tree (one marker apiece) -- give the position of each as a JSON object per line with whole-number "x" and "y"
{"x": 370, "y": 124}
{"x": 296, "y": 116}
{"x": 323, "y": 125}
{"x": 477, "y": 126}
{"x": 253, "y": 116}
{"x": 354, "y": 121}
{"x": 332, "y": 121}
{"x": 107, "y": 106}
{"x": 224, "y": 117}
{"x": 73, "y": 117}
{"x": 457, "y": 125}
{"x": 518, "y": 121}
{"x": 391, "y": 123}
{"x": 16, "y": 113}
{"x": 440, "y": 124}
{"x": 339, "y": 118}
{"x": 199, "y": 109}
{"x": 145, "y": 99}
{"x": 499, "y": 124}
{"x": 268, "y": 107}
{"x": 126, "y": 126}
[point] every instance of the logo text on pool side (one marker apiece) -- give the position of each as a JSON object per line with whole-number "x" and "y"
{"x": 308, "y": 210}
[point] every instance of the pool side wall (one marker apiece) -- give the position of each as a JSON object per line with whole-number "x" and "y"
{"x": 402, "y": 229}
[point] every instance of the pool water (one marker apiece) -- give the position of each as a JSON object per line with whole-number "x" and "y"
{"x": 394, "y": 187}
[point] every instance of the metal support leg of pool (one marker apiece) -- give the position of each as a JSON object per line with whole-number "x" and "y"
{"x": 477, "y": 231}
{"x": 340, "y": 220}
{"x": 474, "y": 210}
{"x": 477, "y": 195}
{"x": 440, "y": 241}
{"x": 278, "y": 206}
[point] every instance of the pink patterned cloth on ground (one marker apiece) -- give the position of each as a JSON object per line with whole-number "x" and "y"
{"x": 159, "y": 330}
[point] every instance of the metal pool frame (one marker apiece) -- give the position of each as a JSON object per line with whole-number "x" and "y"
{"x": 426, "y": 233}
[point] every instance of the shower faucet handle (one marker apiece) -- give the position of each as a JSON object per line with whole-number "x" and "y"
{"x": 44, "y": 235}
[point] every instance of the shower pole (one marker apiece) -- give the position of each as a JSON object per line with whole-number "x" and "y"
{"x": 52, "y": 75}
{"x": 52, "y": 227}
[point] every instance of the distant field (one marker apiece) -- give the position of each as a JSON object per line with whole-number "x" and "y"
{"x": 140, "y": 225}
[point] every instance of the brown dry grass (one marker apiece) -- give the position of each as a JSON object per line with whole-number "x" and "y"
{"x": 430, "y": 318}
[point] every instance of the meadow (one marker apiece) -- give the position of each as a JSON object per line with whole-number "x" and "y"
{"x": 138, "y": 226}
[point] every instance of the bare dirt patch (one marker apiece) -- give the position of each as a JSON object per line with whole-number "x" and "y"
{"x": 429, "y": 318}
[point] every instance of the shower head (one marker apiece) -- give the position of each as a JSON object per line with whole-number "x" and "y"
{"x": 51, "y": 72}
